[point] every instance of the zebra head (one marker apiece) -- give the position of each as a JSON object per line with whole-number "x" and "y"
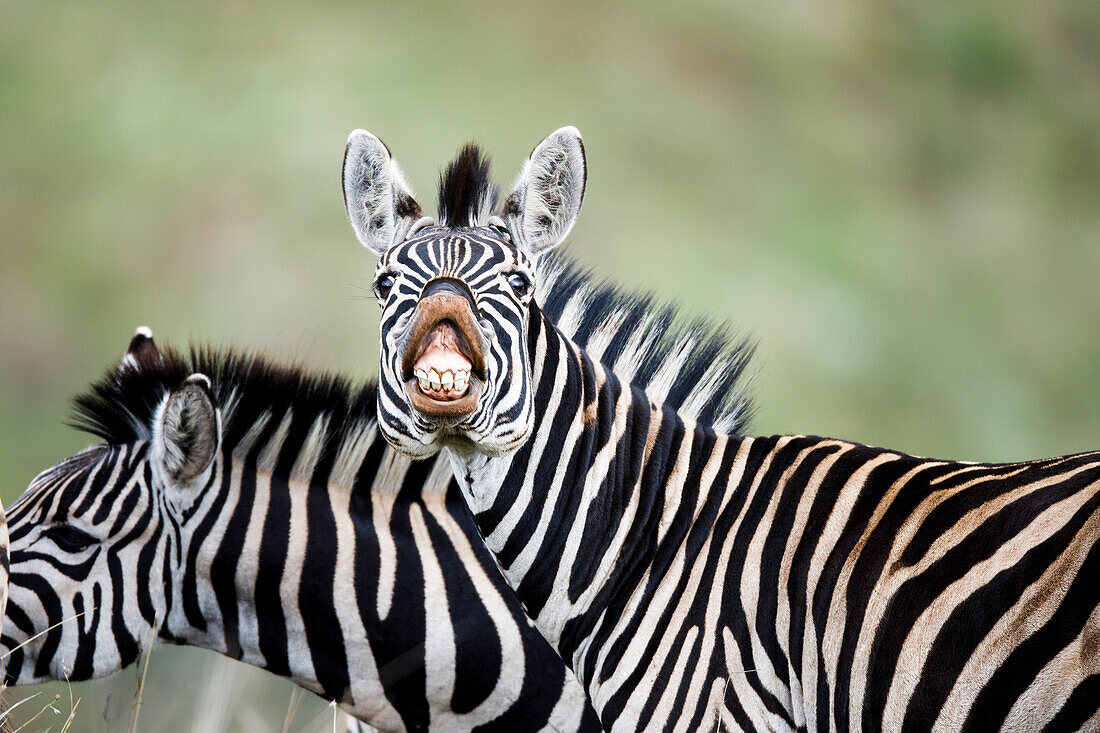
{"x": 457, "y": 297}
{"x": 95, "y": 538}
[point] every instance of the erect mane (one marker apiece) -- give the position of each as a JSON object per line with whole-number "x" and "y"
{"x": 695, "y": 366}
{"x": 120, "y": 407}
{"x": 467, "y": 195}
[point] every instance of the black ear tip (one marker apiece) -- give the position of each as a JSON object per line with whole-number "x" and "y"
{"x": 142, "y": 352}
{"x": 143, "y": 336}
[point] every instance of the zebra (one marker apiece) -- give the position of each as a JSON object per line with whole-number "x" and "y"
{"x": 695, "y": 577}
{"x": 252, "y": 509}
{"x": 190, "y": 572}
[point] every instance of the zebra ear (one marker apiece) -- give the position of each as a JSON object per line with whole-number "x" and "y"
{"x": 547, "y": 197}
{"x": 186, "y": 432}
{"x": 380, "y": 206}
{"x": 142, "y": 353}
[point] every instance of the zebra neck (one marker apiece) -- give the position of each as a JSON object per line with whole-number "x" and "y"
{"x": 578, "y": 516}
{"x": 281, "y": 587}
{"x": 234, "y": 596}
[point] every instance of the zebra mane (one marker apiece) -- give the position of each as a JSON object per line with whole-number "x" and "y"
{"x": 252, "y": 391}
{"x": 695, "y": 368}
{"x": 467, "y": 194}
{"x": 693, "y": 365}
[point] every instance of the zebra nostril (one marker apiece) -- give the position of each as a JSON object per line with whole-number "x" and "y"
{"x": 451, "y": 286}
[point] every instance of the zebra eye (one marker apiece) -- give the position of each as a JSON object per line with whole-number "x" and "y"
{"x": 383, "y": 285}
{"x": 519, "y": 283}
{"x": 69, "y": 538}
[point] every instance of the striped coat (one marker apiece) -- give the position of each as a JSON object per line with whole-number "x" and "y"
{"x": 697, "y": 579}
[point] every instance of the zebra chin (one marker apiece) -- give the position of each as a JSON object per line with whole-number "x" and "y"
{"x": 23, "y": 665}
{"x": 484, "y": 432}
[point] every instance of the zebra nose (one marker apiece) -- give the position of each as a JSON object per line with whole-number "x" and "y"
{"x": 449, "y": 286}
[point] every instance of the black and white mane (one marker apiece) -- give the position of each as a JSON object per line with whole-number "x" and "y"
{"x": 695, "y": 366}
{"x": 698, "y": 368}
{"x": 467, "y": 194}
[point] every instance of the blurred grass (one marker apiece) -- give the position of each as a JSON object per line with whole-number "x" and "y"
{"x": 898, "y": 200}
{"x": 186, "y": 690}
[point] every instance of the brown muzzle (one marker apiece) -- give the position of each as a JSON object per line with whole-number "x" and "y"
{"x": 443, "y": 365}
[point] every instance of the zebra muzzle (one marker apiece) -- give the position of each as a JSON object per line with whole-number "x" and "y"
{"x": 443, "y": 365}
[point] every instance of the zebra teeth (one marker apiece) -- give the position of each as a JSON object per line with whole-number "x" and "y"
{"x": 448, "y": 380}
{"x": 433, "y": 378}
{"x": 424, "y": 384}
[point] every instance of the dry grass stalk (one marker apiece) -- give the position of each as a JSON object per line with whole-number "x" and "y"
{"x": 136, "y": 709}
{"x": 46, "y": 630}
{"x": 292, "y": 708}
{"x": 47, "y": 706}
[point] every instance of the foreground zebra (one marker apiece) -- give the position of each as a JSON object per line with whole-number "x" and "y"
{"x": 281, "y": 531}
{"x": 696, "y": 579}
{"x": 254, "y": 561}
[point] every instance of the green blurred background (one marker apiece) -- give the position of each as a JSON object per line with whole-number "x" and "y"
{"x": 899, "y": 200}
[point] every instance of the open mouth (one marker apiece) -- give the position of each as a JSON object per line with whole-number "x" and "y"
{"x": 443, "y": 367}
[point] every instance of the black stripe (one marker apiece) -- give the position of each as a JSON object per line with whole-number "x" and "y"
{"x": 317, "y": 583}
{"x": 1020, "y": 668}
{"x": 915, "y": 595}
{"x": 1079, "y": 707}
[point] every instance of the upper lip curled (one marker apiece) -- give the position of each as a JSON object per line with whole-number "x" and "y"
{"x": 430, "y": 312}
{"x": 444, "y": 409}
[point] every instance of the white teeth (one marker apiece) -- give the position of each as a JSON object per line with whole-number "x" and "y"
{"x": 448, "y": 382}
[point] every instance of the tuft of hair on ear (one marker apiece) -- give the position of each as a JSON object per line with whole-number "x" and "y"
{"x": 189, "y": 429}
{"x": 467, "y": 194}
{"x": 548, "y": 194}
{"x": 378, "y": 201}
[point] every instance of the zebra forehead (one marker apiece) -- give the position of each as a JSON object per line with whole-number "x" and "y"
{"x": 450, "y": 252}
{"x": 69, "y": 471}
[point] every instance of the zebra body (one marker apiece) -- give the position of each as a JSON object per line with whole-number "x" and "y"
{"x": 700, "y": 580}
{"x": 697, "y": 580}
{"x": 304, "y": 545}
